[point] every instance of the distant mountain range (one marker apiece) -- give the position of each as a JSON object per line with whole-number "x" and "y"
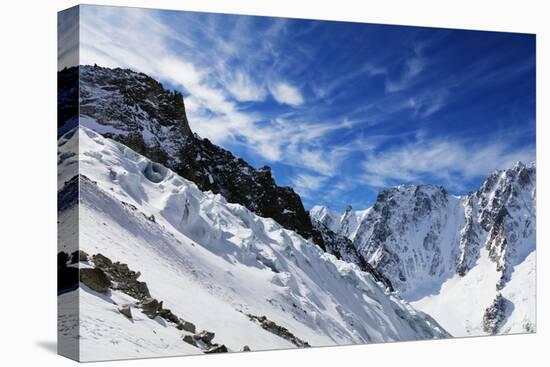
{"x": 429, "y": 243}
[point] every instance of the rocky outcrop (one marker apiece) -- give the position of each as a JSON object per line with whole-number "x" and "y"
{"x": 150, "y": 307}
{"x": 278, "y": 330}
{"x": 507, "y": 215}
{"x": 107, "y": 274}
{"x": 495, "y": 315}
{"x": 204, "y": 340}
{"x": 123, "y": 278}
{"x": 95, "y": 279}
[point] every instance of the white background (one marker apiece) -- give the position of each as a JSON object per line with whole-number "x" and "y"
{"x": 28, "y": 181}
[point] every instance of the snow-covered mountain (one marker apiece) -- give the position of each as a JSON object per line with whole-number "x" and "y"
{"x": 136, "y": 110}
{"x": 467, "y": 261}
{"x": 163, "y": 260}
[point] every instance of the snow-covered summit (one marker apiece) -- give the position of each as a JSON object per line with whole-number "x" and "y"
{"x": 432, "y": 245}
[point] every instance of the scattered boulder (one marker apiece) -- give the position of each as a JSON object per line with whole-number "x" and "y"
{"x": 101, "y": 261}
{"x": 168, "y": 315}
{"x": 246, "y": 348}
{"x": 96, "y": 279}
{"x": 187, "y": 326}
{"x": 217, "y": 349}
{"x": 125, "y": 279}
{"x": 126, "y": 311}
{"x": 150, "y": 307}
{"x": 190, "y": 340}
{"x": 205, "y": 336}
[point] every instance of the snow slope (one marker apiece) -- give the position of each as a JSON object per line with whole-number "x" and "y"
{"x": 213, "y": 263}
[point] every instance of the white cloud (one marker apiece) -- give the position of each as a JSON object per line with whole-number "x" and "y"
{"x": 137, "y": 39}
{"x": 447, "y": 161}
{"x": 243, "y": 88}
{"x": 413, "y": 67}
{"x": 427, "y": 103}
{"x": 306, "y": 184}
{"x": 285, "y": 93}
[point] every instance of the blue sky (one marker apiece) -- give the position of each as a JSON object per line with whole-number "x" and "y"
{"x": 338, "y": 110}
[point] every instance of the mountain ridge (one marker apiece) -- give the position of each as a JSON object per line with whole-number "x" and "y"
{"x": 423, "y": 239}
{"x": 138, "y": 111}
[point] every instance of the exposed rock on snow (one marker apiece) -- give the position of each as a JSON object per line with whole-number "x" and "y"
{"x": 278, "y": 330}
{"x": 205, "y": 336}
{"x": 150, "y": 307}
{"x": 187, "y": 326}
{"x": 126, "y": 310}
{"x": 217, "y": 349}
{"x": 96, "y": 279}
{"x": 495, "y": 314}
{"x": 123, "y": 278}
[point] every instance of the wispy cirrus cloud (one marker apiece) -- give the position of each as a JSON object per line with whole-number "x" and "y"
{"x": 448, "y": 161}
{"x": 286, "y": 93}
{"x": 306, "y": 185}
{"x": 412, "y": 68}
{"x": 340, "y": 110}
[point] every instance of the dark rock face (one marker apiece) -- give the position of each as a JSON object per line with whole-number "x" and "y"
{"x": 495, "y": 315}
{"x": 507, "y": 212}
{"x": 137, "y": 111}
{"x": 95, "y": 279}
